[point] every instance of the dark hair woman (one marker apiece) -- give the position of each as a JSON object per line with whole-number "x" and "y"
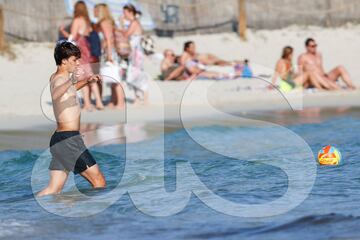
{"x": 136, "y": 76}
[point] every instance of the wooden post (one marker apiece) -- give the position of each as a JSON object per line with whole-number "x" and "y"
{"x": 328, "y": 22}
{"x": 2, "y": 34}
{"x": 242, "y": 19}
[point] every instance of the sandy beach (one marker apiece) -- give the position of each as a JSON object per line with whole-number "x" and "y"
{"x": 203, "y": 159}
{"x": 24, "y": 98}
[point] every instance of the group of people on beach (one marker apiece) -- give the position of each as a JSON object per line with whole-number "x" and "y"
{"x": 311, "y": 73}
{"x": 103, "y": 46}
{"x": 116, "y": 52}
{"x": 191, "y": 65}
{"x": 75, "y": 72}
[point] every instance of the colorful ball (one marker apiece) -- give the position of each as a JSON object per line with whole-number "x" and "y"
{"x": 329, "y": 155}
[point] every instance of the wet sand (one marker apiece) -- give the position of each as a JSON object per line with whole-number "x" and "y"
{"x": 38, "y": 136}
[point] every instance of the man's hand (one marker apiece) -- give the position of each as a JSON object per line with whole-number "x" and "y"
{"x": 94, "y": 78}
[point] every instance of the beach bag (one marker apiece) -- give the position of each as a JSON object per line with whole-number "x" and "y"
{"x": 122, "y": 45}
{"x": 110, "y": 72}
{"x": 95, "y": 44}
{"x": 147, "y": 44}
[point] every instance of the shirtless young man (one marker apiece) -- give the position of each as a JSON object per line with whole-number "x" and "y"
{"x": 67, "y": 147}
{"x": 312, "y": 62}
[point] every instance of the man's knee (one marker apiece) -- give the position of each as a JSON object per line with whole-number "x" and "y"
{"x": 341, "y": 68}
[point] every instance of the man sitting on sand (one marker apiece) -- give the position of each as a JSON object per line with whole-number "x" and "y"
{"x": 312, "y": 62}
{"x": 67, "y": 147}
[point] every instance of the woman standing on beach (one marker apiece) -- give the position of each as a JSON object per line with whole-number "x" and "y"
{"x": 136, "y": 77}
{"x": 286, "y": 77}
{"x": 80, "y": 29}
{"x": 106, "y": 25}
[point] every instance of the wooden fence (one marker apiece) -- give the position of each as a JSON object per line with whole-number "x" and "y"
{"x": 38, "y": 20}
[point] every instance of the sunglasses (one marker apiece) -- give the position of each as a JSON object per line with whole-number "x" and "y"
{"x": 313, "y": 46}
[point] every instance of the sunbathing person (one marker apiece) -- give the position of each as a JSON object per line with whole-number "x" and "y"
{"x": 193, "y": 66}
{"x": 205, "y": 58}
{"x": 170, "y": 68}
{"x": 287, "y": 79}
{"x": 312, "y": 62}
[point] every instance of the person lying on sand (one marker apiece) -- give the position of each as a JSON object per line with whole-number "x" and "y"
{"x": 171, "y": 69}
{"x": 205, "y": 58}
{"x": 69, "y": 153}
{"x": 287, "y": 79}
{"x": 193, "y": 66}
{"x": 311, "y": 62}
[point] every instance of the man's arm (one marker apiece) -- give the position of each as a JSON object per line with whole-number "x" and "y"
{"x": 183, "y": 59}
{"x": 93, "y": 79}
{"x": 61, "y": 86}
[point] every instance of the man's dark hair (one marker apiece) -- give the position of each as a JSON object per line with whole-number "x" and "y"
{"x": 187, "y": 45}
{"x": 308, "y": 41}
{"x": 65, "y": 50}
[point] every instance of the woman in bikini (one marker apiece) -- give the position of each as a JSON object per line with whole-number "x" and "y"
{"x": 80, "y": 29}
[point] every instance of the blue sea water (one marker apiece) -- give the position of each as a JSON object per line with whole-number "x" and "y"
{"x": 329, "y": 211}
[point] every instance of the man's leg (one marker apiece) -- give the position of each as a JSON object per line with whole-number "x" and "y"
{"x": 329, "y": 85}
{"x": 214, "y": 60}
{"x": 56, "y": 184}
{"x": 340, "y": 71}
{"x": 94, "y": 176}
{"x": 306, "y": 80}
{"x": 209, "y": 75}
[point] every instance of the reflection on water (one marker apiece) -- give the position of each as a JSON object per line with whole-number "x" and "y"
{"x": 98, "y": 134}
{"x": 305, "y": 116}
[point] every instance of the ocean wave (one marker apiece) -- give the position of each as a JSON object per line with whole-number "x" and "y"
{"x": 12, "y": 227}
{"x": 311, "y": 220}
